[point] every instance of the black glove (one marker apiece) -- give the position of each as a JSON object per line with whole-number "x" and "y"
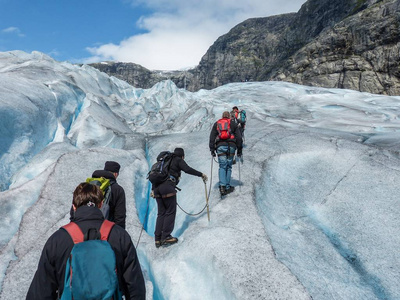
{"x": 204, "y": 177}
{"x": 239, "y": 153}
{"x": 213, "y": 153}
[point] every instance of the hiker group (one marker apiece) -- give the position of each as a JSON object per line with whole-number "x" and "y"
{"x": 225, "y": 140}
{"x": 93, "y": 256}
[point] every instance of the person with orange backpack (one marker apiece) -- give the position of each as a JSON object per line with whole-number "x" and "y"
{"x": 66, "y": 271}
{"x": 225, "y": 139}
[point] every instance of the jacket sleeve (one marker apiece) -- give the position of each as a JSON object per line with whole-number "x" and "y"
{"x": 120, "y": 205}
{"x": 44, "y": 285}
{"x": 213, "y": 136}
{"x": 132, "y": 273}
{"x": 185, "y": 168}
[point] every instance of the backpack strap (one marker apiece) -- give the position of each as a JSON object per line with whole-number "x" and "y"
{"x": 77, "y": 235}
{"x": 105, "y": 229}
{"x": 75, "y": 232}
{"x": 107, "y": 195}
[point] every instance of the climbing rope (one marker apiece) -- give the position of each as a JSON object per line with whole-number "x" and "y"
{"x": 207, "y": 198}
{"x": 190, "y": 214}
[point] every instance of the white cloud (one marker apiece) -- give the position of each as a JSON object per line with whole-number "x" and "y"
{"x": 13, "y": 30}
{"x": 179, "y": 32}
{"x": 53, "y": 53}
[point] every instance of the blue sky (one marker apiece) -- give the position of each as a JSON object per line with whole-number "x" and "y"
{"x": 157, "y": 34}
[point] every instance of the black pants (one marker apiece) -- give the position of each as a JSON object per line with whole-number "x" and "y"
{"x": 166, "y": 212}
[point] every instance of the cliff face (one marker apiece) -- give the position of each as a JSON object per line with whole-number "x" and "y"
{"x": 350, "y": 44}
{"x": 245, "y": 53}
{"x": 254, "y": 49}
{"x": 362, "y": 52}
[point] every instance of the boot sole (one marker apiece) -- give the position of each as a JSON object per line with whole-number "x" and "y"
{"x": 169, "y": 244}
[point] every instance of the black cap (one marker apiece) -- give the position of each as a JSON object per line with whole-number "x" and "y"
{"x": 179, "y": 152}
{"x": 112, "y": 166}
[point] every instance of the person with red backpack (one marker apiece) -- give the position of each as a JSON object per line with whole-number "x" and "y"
{"x": 66, "y": 271}
{"x": 225, "y": 139}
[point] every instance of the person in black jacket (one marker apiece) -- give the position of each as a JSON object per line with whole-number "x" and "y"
{"x": 225, "y": 147}
{"x": 48, "y": 281}
{"x": 165, "y": 194}
{"x": 118, "y": 200}
{"x": 236, "y": 116}
{"x": 117, "y": 212}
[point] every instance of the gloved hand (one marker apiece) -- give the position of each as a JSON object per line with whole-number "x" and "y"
{"x": 239, "y": 155}
{"x": 204, "y": 177}
{"x": 152, "y": 194}
{"x": 213, "y": 153}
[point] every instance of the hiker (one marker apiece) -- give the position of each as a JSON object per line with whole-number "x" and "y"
{"x": 117, "y": 213}
{"x": 225, "y": 139}
{"x": 48, "y": 281}
{"x": 240, "y": 118}
{"x": 165, "y": 194}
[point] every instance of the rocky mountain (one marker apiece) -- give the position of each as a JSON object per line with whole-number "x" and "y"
{"x": 361, "y": 52}
{"x": 351, "y": 44}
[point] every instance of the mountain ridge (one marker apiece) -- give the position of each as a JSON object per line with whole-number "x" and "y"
{"x": 352, "y": 44}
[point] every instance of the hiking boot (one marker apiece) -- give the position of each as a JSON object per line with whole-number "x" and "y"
{"x": 229, "y": 190}
{"x": 169, "y": 241}
{"x": 158, "y": 244}
{"x": 222, "y": 190}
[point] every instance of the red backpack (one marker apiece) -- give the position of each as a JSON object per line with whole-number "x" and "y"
{"x": 224, "y": 129}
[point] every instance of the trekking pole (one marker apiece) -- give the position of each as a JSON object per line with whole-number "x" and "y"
{"x": 140, "y": 235}
{"x": 209, "y": 191}
{"x": 145, "y": 220}
{"x": 240, "y": 180}
{"x": 208, "y": 209}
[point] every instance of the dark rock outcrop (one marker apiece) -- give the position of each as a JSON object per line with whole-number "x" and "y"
{"x": 134, "y": 74}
